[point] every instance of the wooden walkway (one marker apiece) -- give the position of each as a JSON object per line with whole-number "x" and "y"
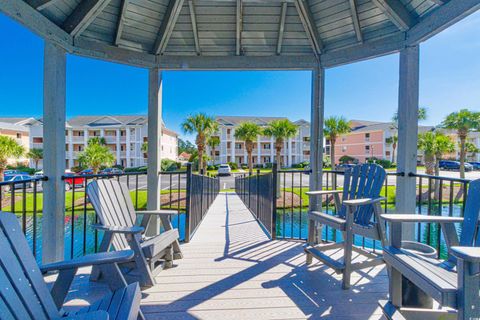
{"x": 231, "y": 270}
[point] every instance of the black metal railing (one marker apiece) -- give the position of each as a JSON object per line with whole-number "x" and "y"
{"x": 201, "y": 192}
{"x": 24, "y": 199}
{"x": 258, "y": 192}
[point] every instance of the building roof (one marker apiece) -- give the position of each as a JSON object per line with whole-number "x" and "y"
{"x": 166, "y": 33}
{"x": 107, "y": 120}
{"x": 12, "y": 126}
{"x": 368, "y": 126}
{"x": 262, "y": 121}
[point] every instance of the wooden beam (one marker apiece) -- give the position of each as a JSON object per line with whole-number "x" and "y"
{"x": 238, "y": 37}
{"x": 356, "y": 20}
{"x": 309, "y": 25}
{"x": 121, "y": 21}
{"x": 302, "y": 62}
{"x": 83, "y": 16}
{"x": 30, "y": 18}
{"x": 167, "y": 26}
{"x": 364, "y": 51}
{"x": 397, "y": 13}
{"x": 440, "y": 19}
{"x": 439, "y": 2}
{"x": 41, "y": 4}
{"x": 193, "y": 18}
{"x": 281, "y": 27}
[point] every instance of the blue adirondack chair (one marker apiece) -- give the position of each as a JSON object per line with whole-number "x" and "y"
{"x": 24, "y": 294}
{"x": 355, "y": 214}
{"x": 454, "y": 283}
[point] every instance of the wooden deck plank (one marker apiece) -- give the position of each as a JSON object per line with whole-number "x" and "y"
{"x": 232, "y": 270}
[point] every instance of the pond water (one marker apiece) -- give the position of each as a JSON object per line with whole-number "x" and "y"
{"x": 76, "y": 240}
{"x": 294, "y": 224}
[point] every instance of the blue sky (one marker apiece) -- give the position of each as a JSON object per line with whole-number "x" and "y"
{"x": 450, "y": 80}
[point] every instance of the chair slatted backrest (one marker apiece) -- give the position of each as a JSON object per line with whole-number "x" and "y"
{"x": 469, "y": 233}
{"x": 362, "y": 181}
{"x": 113, "y": 205}
{"x": 23, "y": 292}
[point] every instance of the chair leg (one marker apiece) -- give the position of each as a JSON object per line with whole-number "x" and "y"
{"x": 169, "y": 257}
{"x": 347, "y": 259}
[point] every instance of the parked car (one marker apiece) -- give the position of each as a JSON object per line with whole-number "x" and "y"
{"x": 13, "y": 172}
{"x": 19, "y": 181}
{"x": 344, "y": 166}
{"x": 475, "y": 165}
{"x": 224, "y": 170}
{"x": 453, "y": 165}
{"x": 73, "y": 180}
{"x": 86, "y": 171}
{"x": 111, "y": 171}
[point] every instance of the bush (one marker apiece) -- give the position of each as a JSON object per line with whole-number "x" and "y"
{"x": 347, "y": 159}
{"x": 298, "y": 165}
{"x": 233, "y": 165}
{"x": 244, "y": 167}
{"x": 170, "y": 165}
{"x": 327, "y": 162}
{"x": 22, "y": 168}
{"x": 136, "y": 169}
{"x": 77, "y": 169}
{"x": 118, "y": 166}
{"x": 258, "y": 166}
{"x": 385, "y": 163}
{"x": 210, "y": 167}
{"x": 268, "y": 165}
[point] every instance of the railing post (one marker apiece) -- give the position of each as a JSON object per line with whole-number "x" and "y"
{"x": 249, "y": 189}
{"x": 258, "y": 191}
{"x": 274, "y": 200}
{"x": 188, "y": 203}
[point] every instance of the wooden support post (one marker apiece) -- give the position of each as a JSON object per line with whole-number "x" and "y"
{"x": 54, "y": 101}
{"x": 316, "y": 145}
{"x": 154, "y": 146}
{"x": 407, "y": 133}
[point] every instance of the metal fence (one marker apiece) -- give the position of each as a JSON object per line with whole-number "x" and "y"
{"x": 23, "y": 198}
{"x": 201, "y": 192}
{"x": 258, "y": 192}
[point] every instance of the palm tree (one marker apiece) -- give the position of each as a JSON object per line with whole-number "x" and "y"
{"x": 426, "y": 143}
{"x": 280, "y": 130}
{"x": 9, "y": 148}
{"x": 462, "y": 121}
{"x": 96, "y": 155}
{"x": 35, "y": 155}
{"x": 144, "y": 147}
{"x": 422, "y": 115}
{"x": 204, "y": 126}
{"x": 334, "y": 127}
{"x": 444, "y": 144}
{"x": 471, "y": 148}
{"x": 248, "y": 132}
{"x": 213, "y": 143}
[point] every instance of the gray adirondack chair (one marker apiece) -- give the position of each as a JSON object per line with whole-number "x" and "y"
{"x": 25, "y": 295}
{"x": 114, "y": 208}
{"x": 354, "y": 216}
{"x": 454, "y": 283}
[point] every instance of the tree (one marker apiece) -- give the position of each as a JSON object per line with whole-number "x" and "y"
{"x": 96, "y": 155}
{"x": 444, "y": 144}
{"x": 471, "y": 148}
{"x": 203, "y": 126}
{"x": 185, "y": 146}
{"x": 9, "y": 148}
{"x": 426, "y": 143}
{"x": 280, "y": 130}
{"x": 35, "y": 155}
{"x": 97, "y": 140}
{"x": 463, "y": 122}
{"x": 334, "y": 127}
{"x": 144, "y": 147}
{"x": 248, "y": 132}
{"x": 422, "y": 115}
{"x": 213, "y": 143}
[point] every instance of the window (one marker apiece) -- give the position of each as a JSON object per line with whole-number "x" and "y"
{"x": 228, "y": 131}
{"x": 266, "y": 146}
{"x": 238, "y": 146}
{"x": 387, "y": 153}
{"x": 306, "y": 139}
{"x": 344, "y": 148}
{"x": 367, "y": 149}
{"x": 19, "y": 135}
{"x": 37, "y": 140}
{"x": 367, "y": 136}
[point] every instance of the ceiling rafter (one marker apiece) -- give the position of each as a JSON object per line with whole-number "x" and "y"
{"x": 121, "y": 21}
{"x": 41, "y": 4}
{"x": 397, "y": 13}
{"x": 356, "y": 20}
{"x": 83, "y": 16}
{"x": 193, "y": 19}
{"x": 167, "y": 26}
{"x": 281, "y": 27}
{"x": 239, "y": 24}
{"x": 309, "y": 25}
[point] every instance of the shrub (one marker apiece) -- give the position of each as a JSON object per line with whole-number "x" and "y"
{"x": 268, "y": 165}
{"x": 233, "y": 165}
{"x": 297, "y": 165}
{"x": 76, "y": 169}
{"x": 384, "y": 163}
{"x": 22, "y": 168}
{"x": 118, "y": 166}
{"x": 327, "y": 162}
{"x": 244, "y": 167}
{"x": 347, "y": 159}
{"x": 210, "y": 167}
{"x": 136, "y": 169}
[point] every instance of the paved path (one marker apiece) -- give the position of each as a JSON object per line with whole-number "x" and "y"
{"x": 232, "y": 270}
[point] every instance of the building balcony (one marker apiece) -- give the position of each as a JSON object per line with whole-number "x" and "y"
{"x": 78, "y": 139}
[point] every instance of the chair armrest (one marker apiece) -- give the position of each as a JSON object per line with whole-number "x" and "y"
{"x": 399, "y": 217}
{"x": 114, "y": 229}
{"x": 322, "y": 192}
{"x": 92, "y": 315}
{"x": 90, "y": 260}
{"x": 470, "y": 254}
{"x": 362, "y": 202}
{"x": 158, "y": 212}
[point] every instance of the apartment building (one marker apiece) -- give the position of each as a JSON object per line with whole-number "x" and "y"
{"x": 10, "y": 128}
{"x": 124, "y": 135}
{"x": 368, "y": 139}
{"x": 295, "y": 150}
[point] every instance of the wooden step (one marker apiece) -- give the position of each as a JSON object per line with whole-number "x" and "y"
{"x": 319, "y": 255}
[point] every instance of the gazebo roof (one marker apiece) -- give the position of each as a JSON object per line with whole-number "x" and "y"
{"x": 230, "y": 34}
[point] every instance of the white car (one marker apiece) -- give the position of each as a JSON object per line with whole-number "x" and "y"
{"x": 224, "y": 170}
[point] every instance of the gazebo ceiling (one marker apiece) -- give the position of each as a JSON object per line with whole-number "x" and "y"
{"x": 236, "y": 33}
